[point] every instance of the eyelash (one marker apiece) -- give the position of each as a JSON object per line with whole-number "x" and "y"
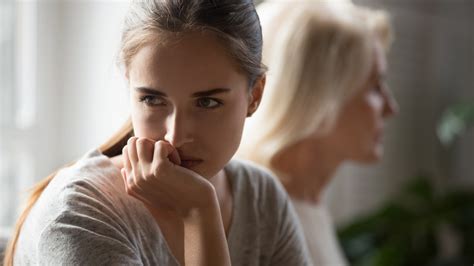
{"x": 379, "y": 86}
{"x": 147, "y": 99}
{"x": 218, "y": 102}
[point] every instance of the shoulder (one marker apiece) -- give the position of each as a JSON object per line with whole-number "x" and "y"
{"x": 82, "y": 208}
{"x": 251, "y": 174}
{"x": 93, "y": 168}
{"x": 91, "y": 174}
{"x": 256, "y": 184}
{"x": 264, "y": 209}
{"x": 91, "y": 188}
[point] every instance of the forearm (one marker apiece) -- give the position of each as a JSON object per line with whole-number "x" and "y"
{"x": 205, "y": 240}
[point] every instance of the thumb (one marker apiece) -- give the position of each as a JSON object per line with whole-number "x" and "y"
{"x": 164, "y": 149}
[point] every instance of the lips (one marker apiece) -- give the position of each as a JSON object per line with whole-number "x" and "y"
{"x": 379, "y": 136}
{"x": 189, "y": 161}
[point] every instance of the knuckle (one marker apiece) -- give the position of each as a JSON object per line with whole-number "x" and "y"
{"x": 160, "y": 144}
{"x": 141, "y": 141}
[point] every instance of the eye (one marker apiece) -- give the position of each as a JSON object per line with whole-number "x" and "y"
{"x": 376, "y": 88}
{"x": 208, "y": 103}
{"x": 152, "y": 100}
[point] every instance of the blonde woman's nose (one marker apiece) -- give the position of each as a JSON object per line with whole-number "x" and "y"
{"x": 391, "y": 107}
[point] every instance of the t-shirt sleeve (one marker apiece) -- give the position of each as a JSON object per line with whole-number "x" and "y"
{"x": 290, "y": 247}
{"x": 87, "y": 231}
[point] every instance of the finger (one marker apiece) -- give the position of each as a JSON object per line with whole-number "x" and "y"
{"x": 126, "y": 161}
{"x": 124, "y": 178}
{"x": 145, "y": 149}
{"x": 128, "y": 181}
{"x": 174, "y": 157}
{"x": 132, "y": 152}
{"x": 163, "y": 151}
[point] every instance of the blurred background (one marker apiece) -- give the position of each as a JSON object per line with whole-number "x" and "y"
{"x": 62, "y": 94}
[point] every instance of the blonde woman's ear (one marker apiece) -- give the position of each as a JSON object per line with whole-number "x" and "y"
{"x": 256, "y": 95}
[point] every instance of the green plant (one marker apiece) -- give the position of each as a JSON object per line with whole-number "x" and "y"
{"x": 454, "y": 121}
{"x": 406, "y": 230}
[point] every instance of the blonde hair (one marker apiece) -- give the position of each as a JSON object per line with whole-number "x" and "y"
{"x": 234, "y": 22}
{"x": 318, "y": 55}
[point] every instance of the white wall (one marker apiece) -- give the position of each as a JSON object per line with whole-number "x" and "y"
{"x": 83, "y": 95}
{"x": 67, "y": 76}
{"x": 92, "y": 93}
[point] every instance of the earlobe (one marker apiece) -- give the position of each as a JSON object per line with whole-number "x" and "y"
{"x": 251, "y": 111}
{"x": 255, "y": 96}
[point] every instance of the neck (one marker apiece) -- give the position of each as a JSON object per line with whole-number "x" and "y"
{"x": 305, "y": 170}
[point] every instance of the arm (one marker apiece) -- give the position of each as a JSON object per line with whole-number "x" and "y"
{"x": 87, "y": 230}
{"x": 205, "y": 240}
{"x": 63, "y": 243}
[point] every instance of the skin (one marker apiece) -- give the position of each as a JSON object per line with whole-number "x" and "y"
{"x": 189, "y": 102}
{"x": 356, "y": 136}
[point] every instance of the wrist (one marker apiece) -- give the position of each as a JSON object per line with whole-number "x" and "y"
{"x": 207, "y": 210}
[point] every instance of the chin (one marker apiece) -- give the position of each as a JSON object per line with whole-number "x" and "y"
{"x": 371, "y": 157}
{"x": 206, "y": 172}
{"x": 376, "y": 155}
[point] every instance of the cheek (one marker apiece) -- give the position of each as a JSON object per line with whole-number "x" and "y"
{"x": 374, "y": 105}
{"x": 363, "y": 117}
{"x": 147, "y": 124}
{"x": 356, "y": 124}
{"x": 224, "y": 139}
{"x": 228, "y": 126}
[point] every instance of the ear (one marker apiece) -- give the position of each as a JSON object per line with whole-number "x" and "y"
{"x": 255, "y": 96}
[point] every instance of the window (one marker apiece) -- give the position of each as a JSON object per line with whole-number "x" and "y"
{"x": 17, "y": 104}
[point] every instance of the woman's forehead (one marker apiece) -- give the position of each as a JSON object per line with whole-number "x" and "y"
{"x": 193, "y": 61}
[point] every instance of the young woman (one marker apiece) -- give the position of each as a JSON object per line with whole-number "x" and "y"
{"x": 162, "y": 191}
{"x": 325, "y": 102}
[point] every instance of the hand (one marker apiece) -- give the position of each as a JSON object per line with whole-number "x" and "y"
{"x": 152, "y": 174}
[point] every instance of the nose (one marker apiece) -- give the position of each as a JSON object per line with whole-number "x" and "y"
{"x": 391, "y": 107}
{"x": 177, "y": 129}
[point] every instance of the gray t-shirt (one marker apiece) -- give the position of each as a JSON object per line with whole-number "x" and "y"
{"x": 85, "y": 217}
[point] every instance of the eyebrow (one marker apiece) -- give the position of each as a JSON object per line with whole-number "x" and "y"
{"x": 210, "y": 92}
{"x": 150, "y": 91}
{"x": 196, "y": 94}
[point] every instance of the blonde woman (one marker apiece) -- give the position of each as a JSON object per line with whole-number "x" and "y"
{"x": 325, "y": 102}
{"x": 162, "y": 191}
